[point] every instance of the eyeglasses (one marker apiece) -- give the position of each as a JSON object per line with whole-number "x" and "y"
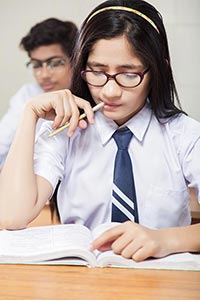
{"x": 54, "y": 64}
{"x": 124, "y": 79}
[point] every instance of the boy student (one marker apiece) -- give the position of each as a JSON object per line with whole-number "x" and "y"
{"x": 130, "y": 163}
{"x": 49, "y": 45}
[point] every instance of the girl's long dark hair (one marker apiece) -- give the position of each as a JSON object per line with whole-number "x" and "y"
{"x": 151, "y": 47}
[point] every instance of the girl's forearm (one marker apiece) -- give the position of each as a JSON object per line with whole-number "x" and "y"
{"x": 183, "y": 239}
{"x": 16, "y": 202}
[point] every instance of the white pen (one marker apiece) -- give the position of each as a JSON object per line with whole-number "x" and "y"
{"x": 95, "y": 108}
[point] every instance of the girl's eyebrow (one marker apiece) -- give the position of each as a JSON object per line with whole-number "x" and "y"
{"x": 125, "y": 66}
{"x": 95, "y": 64}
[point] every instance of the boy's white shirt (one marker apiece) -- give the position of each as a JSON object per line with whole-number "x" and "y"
{"x": 9, "y": 121}
{"x": 164, "y": 157}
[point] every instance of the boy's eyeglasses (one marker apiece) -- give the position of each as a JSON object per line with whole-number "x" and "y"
{"x": 124, "y": 79}
{"x": 54, "y": 64}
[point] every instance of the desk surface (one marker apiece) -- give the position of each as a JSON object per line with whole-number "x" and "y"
{"x": 31, "y": 282}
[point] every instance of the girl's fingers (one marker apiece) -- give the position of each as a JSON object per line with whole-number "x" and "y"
{"x": 131, "y": 249}
{"x": 82, "y": 124}
{"x": 107, "y": 238}
{"x": 74, "y": 121}
{"x": 62, "y": 107}
{"x": 67, "y": 110}
{"x": 121, "y": 243}
{"x": 61, "y": 115}
{"x": 104, "y": 247}
{"x": 141, "y": 254}
{"x": 86, "y": 106}
{"x": 70, "y": 112}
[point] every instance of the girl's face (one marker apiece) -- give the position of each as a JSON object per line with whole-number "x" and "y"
{"x": 113, "y": 56}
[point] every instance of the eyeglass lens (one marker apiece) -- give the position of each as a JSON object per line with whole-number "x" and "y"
{"x": 125, "y": 79}
{"x": 52, "y": 65}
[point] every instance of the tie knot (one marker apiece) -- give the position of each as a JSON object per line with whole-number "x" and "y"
{"x": 122, "y": 138}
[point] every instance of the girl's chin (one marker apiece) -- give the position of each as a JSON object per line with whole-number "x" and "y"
{"x": 120, "y": 120}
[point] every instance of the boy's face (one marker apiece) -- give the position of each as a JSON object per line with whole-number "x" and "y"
{"x": 113, "y": 56}
{"x": 51, "y": 67}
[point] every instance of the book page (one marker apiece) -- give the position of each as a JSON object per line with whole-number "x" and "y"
{"x": 45, "y": 242}
{"x": 181, "y": 261}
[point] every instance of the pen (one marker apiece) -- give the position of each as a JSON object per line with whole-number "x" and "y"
{"x": 95, "y": 108}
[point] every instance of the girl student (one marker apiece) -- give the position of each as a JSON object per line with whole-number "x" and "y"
{"x": 122, "y": 59}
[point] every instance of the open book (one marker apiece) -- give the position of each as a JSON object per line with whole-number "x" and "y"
{"x": 69, "y": 244}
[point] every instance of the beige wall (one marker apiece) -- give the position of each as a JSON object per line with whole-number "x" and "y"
{"x": 182, "y": 22}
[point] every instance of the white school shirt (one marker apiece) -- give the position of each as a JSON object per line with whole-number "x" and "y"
{"x": 165, "y": 159}
{"x": 9, "y": 121}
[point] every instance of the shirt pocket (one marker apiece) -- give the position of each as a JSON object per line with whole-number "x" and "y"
{"x": 166, "y": 207}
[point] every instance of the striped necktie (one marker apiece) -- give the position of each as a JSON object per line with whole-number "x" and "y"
{"x": 124, "y": 205}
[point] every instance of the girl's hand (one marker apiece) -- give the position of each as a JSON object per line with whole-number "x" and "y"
{"x": 132, "y": 240}
{"x": 61, "y": 107}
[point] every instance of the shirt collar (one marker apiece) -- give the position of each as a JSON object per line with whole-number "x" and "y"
{"x": 138, "y": 124}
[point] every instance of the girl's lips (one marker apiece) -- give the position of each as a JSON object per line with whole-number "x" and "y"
{"x": 111, "y": 106}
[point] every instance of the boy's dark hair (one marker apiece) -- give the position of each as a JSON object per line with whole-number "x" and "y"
{"x": 151, "y": 47}
{"x": 51, "y": 31}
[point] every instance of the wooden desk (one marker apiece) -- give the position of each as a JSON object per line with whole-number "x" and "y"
{"x": 32, "y": 282}
{"x": 18, "y": 282}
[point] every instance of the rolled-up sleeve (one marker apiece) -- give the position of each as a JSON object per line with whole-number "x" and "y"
{"x": 49, "y": 155}
{"x": 191, "y": 158}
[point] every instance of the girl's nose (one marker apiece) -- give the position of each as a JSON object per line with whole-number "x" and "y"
{"x": 111, "y": 89}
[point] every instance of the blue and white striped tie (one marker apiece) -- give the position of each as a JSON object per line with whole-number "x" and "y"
{"x": 124, "y": 205}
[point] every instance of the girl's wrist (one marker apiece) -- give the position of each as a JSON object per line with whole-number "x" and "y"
{"x": 182, "y": 239}
{"x": 30, "y": 111}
